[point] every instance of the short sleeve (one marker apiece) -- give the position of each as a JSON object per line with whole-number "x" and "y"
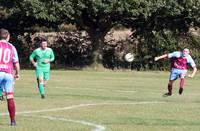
{"x": 191, "y": 61}
{"x": 15, "y": 56}
{"x": 174, "y": 54}
{"x": 33, "y": 54}
{"x": 52, "y": 57}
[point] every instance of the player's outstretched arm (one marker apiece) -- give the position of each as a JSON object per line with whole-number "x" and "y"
{"x": 193, "y": 72}
{"x": 160, "y": 57}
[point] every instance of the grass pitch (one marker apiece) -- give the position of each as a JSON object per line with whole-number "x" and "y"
{"x": 97, "y": 101}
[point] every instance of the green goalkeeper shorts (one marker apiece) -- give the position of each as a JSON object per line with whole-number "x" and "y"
{"x": 44, "y": 74}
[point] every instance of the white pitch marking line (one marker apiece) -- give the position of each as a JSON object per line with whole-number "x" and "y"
{"x": 97, "y": 127}
{"x": 82, "y": 105}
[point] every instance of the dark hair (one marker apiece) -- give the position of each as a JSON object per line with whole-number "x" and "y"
{"x": 43, "y": 39}
{"x": 4, "y": 33}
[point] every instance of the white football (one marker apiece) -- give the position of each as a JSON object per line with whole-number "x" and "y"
{"x": 129, "y": 57}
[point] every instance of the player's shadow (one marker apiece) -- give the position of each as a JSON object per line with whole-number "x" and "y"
{"x": 167, "y": 94}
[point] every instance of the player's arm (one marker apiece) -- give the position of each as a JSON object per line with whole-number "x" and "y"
{"x": 161, "y": 57}
{"x": 52, "y": 57}
{"x": 17, "y": 69}
{"x": 191, "y": 61}
{"x": 169, "y": 55}
{"x": 16, "y": 65}
{"x": 193, "y": 72}
{"x": 31, "y": 58}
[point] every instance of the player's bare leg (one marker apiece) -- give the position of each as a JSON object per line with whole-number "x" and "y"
{"x": 11, "y": 108}
{"x": 45, "y": 83}
{"x": 182, "y": 81}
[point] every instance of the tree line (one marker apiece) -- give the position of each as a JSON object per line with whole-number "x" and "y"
{"x": 158, "y": 26}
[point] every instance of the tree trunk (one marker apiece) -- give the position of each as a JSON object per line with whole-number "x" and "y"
{"x": 97, "y": 40}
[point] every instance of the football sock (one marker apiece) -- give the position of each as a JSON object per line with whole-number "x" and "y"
{"x": 182, "y": 83}
{"x": 181, "y": 86}
{"x": 11, "y": 109}
{"x": 170, "y": 88}
{"x": 41, "y": 89}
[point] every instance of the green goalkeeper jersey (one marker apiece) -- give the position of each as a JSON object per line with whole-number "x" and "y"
{"x": 40, "y": 55}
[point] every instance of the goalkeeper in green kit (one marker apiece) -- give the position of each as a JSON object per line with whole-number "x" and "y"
{"x": 41, "y": 58}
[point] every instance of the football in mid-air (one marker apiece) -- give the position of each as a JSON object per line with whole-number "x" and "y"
{"x": 129, "y": 57}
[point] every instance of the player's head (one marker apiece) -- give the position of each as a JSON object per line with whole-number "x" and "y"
{"x": 186, "y": 52}
{"x": 43, "y": 43}
{"x": 4, "y": 34}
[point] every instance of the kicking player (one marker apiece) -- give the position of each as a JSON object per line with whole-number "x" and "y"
{"x": 43, "y": 56}
{"x": 8, "y": 58}
{"x": 179, "y": 65}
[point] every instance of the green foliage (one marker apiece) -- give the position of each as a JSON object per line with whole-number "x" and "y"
{"x": 194, "y": 45}
{"x": 74, "y": 49}
{"x": 99, "y": 16}
{"x": 154, "y": 44}
{"x": 46, "y": 10}
{"x": 158, "y": 25}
